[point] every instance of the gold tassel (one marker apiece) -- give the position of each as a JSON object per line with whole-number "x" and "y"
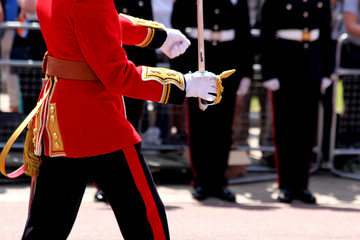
{"x": 32, "y": 162}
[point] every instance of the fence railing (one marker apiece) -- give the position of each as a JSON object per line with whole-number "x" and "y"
{"x": 345, "y": 128}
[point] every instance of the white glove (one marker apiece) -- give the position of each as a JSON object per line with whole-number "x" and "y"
{"x": 201, "y": 84}
{"x": 175, "y": 44}
{"x": 272, "y": 84}
{"x": 325, "y": 83}
{"x": 244, "y": 86}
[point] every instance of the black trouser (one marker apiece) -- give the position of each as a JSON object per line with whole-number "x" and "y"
{"x": 295, "y": 120}
{"x": 122, "y": 175}
{"x": 295, "y": 107}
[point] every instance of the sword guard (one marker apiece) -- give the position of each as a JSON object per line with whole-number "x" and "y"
{"x": 220, "y": 89}
{"x": 203, "y": 104}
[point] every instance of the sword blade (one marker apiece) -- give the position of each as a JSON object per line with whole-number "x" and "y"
{"x": 201, "y": 47}
{"x": 200, "y": 29}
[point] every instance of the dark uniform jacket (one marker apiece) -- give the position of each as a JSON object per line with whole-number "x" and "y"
{"x": 294, "y": 14}
{"x": 295, "y": 39}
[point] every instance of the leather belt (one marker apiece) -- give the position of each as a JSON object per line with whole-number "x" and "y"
{"x": 298, "y": 35}
{"x": 210, "y": 35}
{"x": 68, "y": 69}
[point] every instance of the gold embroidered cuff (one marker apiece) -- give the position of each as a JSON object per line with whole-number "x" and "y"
{"x": 166, "y": 77}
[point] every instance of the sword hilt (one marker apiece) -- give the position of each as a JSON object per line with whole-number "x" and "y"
{"x": 203, "y": 104}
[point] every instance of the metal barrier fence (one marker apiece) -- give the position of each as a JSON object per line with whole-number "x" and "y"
{"x": 163, "y": 127}
{"x": 19, "y": 80}
{"x": 345, "y": 129}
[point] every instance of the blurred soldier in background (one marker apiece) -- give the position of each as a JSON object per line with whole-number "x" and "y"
{"x": 227, "y": 45}
{"x": 296, "y": 66}
{"x": 351, "y": 51}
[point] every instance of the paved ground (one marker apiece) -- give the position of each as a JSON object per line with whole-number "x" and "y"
{"x": 255, "y": 215}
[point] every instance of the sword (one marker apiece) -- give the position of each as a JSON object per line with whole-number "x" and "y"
{"x": 203, "y": 104}
{"x": 201, "y": 49}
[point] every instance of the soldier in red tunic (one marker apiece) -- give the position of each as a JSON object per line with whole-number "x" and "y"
{"x": 81, "y": 131}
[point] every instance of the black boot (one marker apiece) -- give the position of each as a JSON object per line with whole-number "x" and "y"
{"x": 284, "y": 196}
{"x": 100, "y": 196}
{"x": 305, "y": 196}
{"x": 224, "y": 194}
{"x": 199, "y": 193}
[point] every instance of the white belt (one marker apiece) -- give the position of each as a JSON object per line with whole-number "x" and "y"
{"x": 210, "y": 35}
{"x": 298, "y": 35}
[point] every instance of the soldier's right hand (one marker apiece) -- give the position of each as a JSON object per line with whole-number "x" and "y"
{"x": 201, "y": 85}
{"x": 175, "y": 44}
{"x": 272, "y": 84}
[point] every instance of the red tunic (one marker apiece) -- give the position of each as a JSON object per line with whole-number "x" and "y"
{"x": 87, "y": 118}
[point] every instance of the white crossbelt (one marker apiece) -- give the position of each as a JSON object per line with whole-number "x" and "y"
{"x": 210, "y": 35}
{"x": 298, "y": 35}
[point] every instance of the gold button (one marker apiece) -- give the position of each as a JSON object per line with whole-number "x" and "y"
{"x": 52, "y": 109}
{"x": 55, "y": 136}
{"x": 57, "y": 145}
{"x": 52, "y": 117}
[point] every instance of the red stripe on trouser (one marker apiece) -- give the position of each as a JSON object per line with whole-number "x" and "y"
{"x": 132, "y": 158}
{"x": 32, "y": 191}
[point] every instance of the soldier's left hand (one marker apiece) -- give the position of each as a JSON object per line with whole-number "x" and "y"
{"x": 325, "y": 83}
{"x": 244, "y": 86}
{"x": 175, "y": 44}
{"x": 272, "y": 84}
